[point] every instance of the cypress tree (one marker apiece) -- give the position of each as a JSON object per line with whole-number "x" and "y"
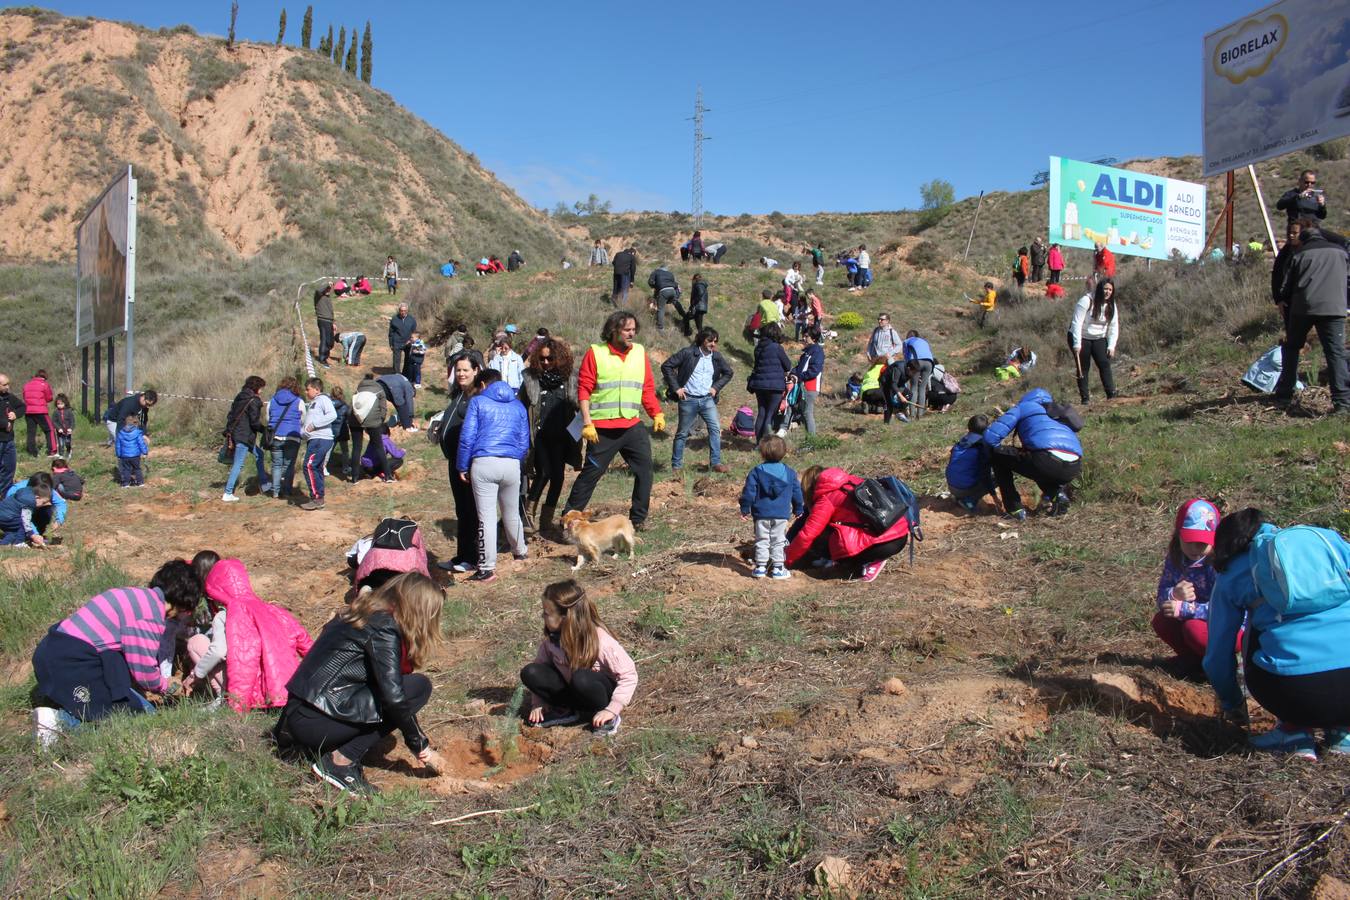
{"x": 307, "y": 27}
{"x": 351, "y": 55}
{"x": 281, "y": 28}
{"x": 326, "y": 46}
{"x": 341, "y": 45}
{"x": 366, "y": 48}
{"x": 234, "y": 14}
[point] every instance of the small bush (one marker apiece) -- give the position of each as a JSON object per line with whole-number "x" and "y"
{"x": 847, "y": 321}
{"x": 149, "y": 136}
{"x": 1331, "y": 150}
{"x": 926, "y": 255}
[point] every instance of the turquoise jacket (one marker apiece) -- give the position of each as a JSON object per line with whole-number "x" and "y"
{"x": 1292, "y": 645}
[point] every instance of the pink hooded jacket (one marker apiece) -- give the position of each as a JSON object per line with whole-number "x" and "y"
{"x": 264, "y": 642}
{"x": 414, "y": 559}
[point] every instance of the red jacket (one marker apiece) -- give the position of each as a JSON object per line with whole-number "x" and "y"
{"x": 1105, "y": 262}
{"x": 832, "y": 507}
{"x": 264, "y": 643}
{"x": 586, "y": 384}
{"x": 37, "y": 393}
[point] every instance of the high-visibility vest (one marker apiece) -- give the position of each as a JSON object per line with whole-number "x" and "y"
{"x": 618, "y": 383}
{"x": 872, "y": 380}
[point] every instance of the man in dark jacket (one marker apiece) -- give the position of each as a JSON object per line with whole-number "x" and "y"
{"x": 11, "y": 410}
{"x": 323, "y": 313}
{"x": 694, "y": 378}
{"x": 1305, "y": 200}
{"x": 400, "y": 393}
{"x": 625, "y": 271}
{"x": 514, "y": 261}
{"x": 1313, "y": 296}
{"x": 401, "y": 328}
{"x": 665, "y": 289}
{"x": 131, "y": 405}
{"x": 1039, "y": 254}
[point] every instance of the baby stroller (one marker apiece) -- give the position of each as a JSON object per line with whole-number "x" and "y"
{"x": 791, "y": 409}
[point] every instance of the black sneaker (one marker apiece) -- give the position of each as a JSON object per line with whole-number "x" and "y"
{"x": 1060, "y": 505}
{"x": 483, "y": 576}
{"x": 344, "y": 778}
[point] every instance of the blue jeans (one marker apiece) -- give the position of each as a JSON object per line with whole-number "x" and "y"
{"x": 136, "y": 702}
{"x": 316, "y": 456}
{"x": 284, "y": 453}
{"x": 241, "y": 452}
{"x": 9, "y": 463}
{"x": 690, "y": 410}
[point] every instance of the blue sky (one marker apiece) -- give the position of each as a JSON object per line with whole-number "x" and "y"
{"x": 813, "y": 106}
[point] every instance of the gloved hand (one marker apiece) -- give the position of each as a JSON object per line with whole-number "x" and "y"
{"x": 589, "y": 434}
{"x": 659, "y": 424}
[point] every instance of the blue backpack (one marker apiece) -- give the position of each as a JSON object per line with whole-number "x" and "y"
{"x": 1301, "y": 569}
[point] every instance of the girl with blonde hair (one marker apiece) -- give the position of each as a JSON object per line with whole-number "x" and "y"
{"x": 358, "y": 682}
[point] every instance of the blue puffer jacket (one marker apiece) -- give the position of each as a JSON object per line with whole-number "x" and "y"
{"x": 131, "y": 443}
{"x": 771, "y": 367}
{"x": 283, "y": 414}
{"x": 1289, "y": 645}
{"x": 968, "y": 466}
{"x": 1034, "y": 427}
{"x": 495, "y": 424}
{"x": 917, "y": 348}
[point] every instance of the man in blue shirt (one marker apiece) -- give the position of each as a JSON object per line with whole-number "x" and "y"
{"x": 694, "y": 378}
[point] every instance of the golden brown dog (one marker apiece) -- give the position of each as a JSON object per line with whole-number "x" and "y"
{"x": 614, "y": 533}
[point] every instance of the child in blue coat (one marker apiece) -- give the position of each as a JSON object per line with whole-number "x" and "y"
{"x": 771, "y": 495}
{"x": 969, "y": 475}
{"x": 131, "y": 446}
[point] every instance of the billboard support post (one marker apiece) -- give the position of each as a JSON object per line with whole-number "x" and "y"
{"x": 84, "y": 381}
{"x": 131, "y": 284}
{"x": 98, "y": 379}
{"x": 111, "y": 390}
{"x": 1261, "y": 202}
{"x": 1220, "y": 219}
{"x": 978, "y": 204}
{"x": 1228, "y": 221}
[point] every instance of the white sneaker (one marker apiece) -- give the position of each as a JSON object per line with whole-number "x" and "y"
{"x": 228, "y": 498}
{"x": 411, "y": 429}
{"x": 46, "y": 726}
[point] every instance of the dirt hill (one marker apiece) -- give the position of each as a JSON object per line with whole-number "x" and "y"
{"x": 236, "y": 150}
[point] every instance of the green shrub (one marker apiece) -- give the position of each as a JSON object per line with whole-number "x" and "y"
{"x": 847, "y": 321}
{"x": 926, "y": 255}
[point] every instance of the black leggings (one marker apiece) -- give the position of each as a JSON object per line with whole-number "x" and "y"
{"x": 766, "y": 407}
{"x": 321, "y": 733}
{"x": 549, "y": 463}
{"x": 820, "y": 549}
{"x": 589, "y": 692}
{"x": 466, "y": 518}
{"x": 1315, "y": 700}
{"x": 1050, "y": 473}
{"x": 1094, "y": 350}
{"x": 376, "y": 449}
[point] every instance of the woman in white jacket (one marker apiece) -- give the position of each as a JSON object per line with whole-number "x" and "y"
{"x": 1093, "y": 333}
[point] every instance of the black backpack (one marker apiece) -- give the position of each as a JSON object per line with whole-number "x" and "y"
{"x": 881, "y": 502}
{"x": 394, "y": 534}
{"x": 1065, "y": 414}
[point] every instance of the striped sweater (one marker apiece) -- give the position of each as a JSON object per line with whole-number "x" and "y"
{"x": 127, "y": 619}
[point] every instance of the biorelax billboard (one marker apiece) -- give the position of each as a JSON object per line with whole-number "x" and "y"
{"x": 1275, "y": 81}
{"x": 1133, "y": 213}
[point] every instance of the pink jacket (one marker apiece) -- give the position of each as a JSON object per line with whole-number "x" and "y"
{"x": 414, "y": 559}
{"x": 37, "y": 393}
{"x": 1056, "y": 259}
{"x": 613, "y": 660}
{"x": 264, "y": 643}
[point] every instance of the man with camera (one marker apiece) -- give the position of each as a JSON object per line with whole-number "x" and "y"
{"x": 1304, "y": 200}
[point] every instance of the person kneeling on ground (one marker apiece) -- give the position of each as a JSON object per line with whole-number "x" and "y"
{"x": 1297, "y": 661}
{"x": 580, "y": 673}
{"x": 393, "y": 455}
{"x": 969, "y": 476}
{"x": 20, "y": 514}
{"x": 101, "y": 659}
{"x": 1182, "y": 620}
{"x": 832, "y": 532}
{"x": 358, "y": 682}
{"x": 1050, "y": 455}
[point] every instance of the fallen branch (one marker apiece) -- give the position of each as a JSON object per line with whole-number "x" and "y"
{"x": 1256, "y": 891}
{"x": 483, "y": 812}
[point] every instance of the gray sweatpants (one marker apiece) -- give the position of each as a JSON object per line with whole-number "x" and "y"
{"x": 770, "y": 542}
{"x": 496, "y": 487}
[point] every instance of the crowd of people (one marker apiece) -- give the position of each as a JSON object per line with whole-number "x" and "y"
{"x": 515, "y": 421}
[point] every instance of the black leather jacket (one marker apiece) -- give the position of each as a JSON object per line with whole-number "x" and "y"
{"x": 355, "y": 675}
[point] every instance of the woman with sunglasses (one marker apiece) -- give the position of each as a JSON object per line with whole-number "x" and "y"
{"x": 549, "y": 392}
